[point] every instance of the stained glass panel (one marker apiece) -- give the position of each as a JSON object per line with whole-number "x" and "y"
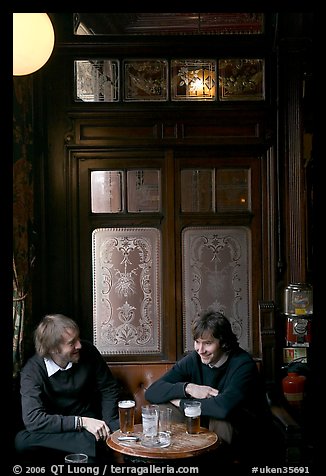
{"x": 193, "y": 80}
{"x": 96, "y": 80}
{"x": 145, "y": 80}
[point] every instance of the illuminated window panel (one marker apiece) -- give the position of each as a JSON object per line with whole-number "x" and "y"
{"x": 96, "y": 80}
{"x": 193, "y": 80}
{"x": 107, "y": 191}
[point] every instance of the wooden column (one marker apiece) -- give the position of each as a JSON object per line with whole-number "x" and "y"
{"x": 291, "y": 159}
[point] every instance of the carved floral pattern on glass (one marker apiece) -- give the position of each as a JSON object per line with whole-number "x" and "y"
{"x": 145, "y": 80}
{"x": 241, "y": 79}
{"x": 126, "y": 292}
{"x": 216, "y": 273}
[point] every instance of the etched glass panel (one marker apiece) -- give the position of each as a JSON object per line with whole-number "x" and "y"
{"x": 107, "y": 191}
{"x": 127, "y": 316}
{"x": 145, "y": 80}
{"x": 216, "y": 272}
{"x": 197, "y": 190}
{"x": 233, "y": 190}
{"x": 241, "y": 79}
{"x": 193, "y": 80}
{"x": 144, "y": 190}
{"x": 97, "y": 80}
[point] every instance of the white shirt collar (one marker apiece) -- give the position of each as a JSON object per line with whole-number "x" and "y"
{"x": 52, "y": 367}
{"x": 221, "y": 361}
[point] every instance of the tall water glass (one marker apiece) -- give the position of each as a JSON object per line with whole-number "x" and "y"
{"x": 127, "y": 416}
{"x": 192, "y": 411}
{"x": 150, "y": 415}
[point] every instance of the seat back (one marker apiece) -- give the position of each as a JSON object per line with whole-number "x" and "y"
{"x": 135, "y": 378}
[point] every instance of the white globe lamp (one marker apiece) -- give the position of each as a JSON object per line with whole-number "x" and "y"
{"x": 33, "y": 42}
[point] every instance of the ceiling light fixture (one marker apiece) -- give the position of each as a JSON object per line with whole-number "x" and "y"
{"x": 33, "y": 42}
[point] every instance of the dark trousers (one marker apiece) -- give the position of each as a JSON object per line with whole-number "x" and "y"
{"x": 28, "y": 443}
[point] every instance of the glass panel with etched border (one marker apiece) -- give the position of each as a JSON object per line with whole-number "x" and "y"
{"x": 193, "y": 80}
{"x": 127, "y": 315}
{"x": 107, "y": 194}
{"x": 96, "y": 80}
{"x": 233, "y": 190}
{"x": 241, "y": 79}
{"x": 197, "y": 190}
{"x": 216, "y": 273}
{"x": 145, "y": 80}
{"x": 144, "y": 190}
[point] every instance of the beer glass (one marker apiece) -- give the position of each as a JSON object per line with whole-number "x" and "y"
{"x": 126, "y": 416}
{"x": 192, "y": 412}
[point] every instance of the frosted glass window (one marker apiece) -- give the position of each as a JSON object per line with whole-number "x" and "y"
{"x": 97, "y": 80}
{"x": 145, "y": 80}
{"x": 216, "y": 272}
{"x": 107, "y": 191}
{"x": 233, "y": 190}
{"x": 197, "y": 190}
{"x": 144, "y": 190}
{"x": 127, "y": 276}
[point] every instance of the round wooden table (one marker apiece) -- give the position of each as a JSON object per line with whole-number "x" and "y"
{"x": 182, "y": 445}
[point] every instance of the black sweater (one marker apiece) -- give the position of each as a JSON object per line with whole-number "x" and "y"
{"x": 241, "y": 399}
{"x": 50, "y": 404}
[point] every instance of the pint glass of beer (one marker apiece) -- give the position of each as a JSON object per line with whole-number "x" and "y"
{"x": 126, "y": 415}
{"x": 192, "y": 411}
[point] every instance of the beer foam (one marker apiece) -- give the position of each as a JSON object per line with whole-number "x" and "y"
{"x": 192, "y": 411}
{"x": 126, "y": 404}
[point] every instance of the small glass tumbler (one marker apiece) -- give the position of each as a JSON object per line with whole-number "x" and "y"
{"x": 76, "y": 458}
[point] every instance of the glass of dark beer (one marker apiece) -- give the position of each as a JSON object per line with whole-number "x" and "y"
{"x": 192, "y": 411}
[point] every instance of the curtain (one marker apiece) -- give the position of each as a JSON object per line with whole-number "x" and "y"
{"x": 18, "y": 314}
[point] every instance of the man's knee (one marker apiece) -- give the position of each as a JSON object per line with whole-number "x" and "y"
{"x": 222, "y": 428}
{"x": 22, "y": 441}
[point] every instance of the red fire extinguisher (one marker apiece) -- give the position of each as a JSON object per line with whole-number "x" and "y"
{"x": 293, "y": 388}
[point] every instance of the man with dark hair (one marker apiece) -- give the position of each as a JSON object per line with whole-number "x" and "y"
{"x": 225, "y": 379}
{"x": 68, "y": 394}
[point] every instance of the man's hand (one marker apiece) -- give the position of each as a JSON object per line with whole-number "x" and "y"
{"x": 97, "y": 427}
{"x": 201, "y": 391}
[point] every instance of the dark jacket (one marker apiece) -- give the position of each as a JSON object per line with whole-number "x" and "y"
{"x": 50, "y": 404}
